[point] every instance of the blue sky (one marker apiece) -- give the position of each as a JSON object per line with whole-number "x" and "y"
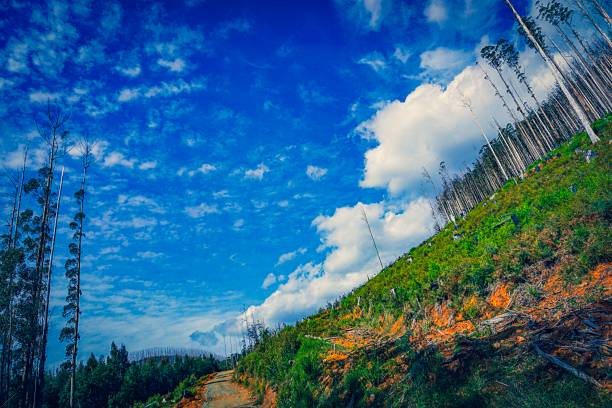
{"x": 236, "y": 142}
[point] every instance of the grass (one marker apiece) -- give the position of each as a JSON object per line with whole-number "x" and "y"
{"x": 563, "y": 215}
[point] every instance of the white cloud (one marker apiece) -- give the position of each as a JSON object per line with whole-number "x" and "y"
{"x": 436, "y": 11}
{"x": 221, "y": 194}
{"x": 431, "y": 125}
{"x": 401, "y": 53}
{"x": 149, "y": 254}
{"x": 140, "y": 201}
{"x": 127, "y": 94}
{"x": 374, "y": 60}
{"x": 90, "y": 54}
{"x": 315, "y": 173}
{"x": 43, "y": 97}
{"x": 148, "y": 165}
{"x": 118, "y": 159}
{"x": 110, "y": 250}
{"x": 17, "y": 60}
{"x": 176, "y": 65}
{"x": 131, "y": 71}
{"x": 289, "y": 256}
{"x": 350, "y": 260}
{"x": 257, "y": 173}
{"x": 238, "y": 224}
{"x": 165, "y": 89}
{"x": 444, "y": 59}
{"x": 374, "y": 7}
{"x": 201, "y": 210}
{"x": 268, "y": 281}
{"x": 203, "y": 169}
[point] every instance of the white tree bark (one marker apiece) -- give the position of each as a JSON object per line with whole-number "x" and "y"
{"x": 558, "y": 77}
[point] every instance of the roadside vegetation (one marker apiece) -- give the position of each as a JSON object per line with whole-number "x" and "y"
{"x": 114, "y": 381}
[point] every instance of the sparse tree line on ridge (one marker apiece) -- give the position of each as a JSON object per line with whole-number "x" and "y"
{"x": 580, "y": 96}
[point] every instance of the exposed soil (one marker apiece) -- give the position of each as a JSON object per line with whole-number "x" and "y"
{"x": 222, "y": 392}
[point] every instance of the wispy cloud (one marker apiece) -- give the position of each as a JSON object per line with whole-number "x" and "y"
{"x": 165, "y": 89}
{"x": 201, "y": 210}
{"x": 289, "y": 256}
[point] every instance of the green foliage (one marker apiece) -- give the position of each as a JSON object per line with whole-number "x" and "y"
{"x": 114, "y": 382}
{"x": 563, "y": 209}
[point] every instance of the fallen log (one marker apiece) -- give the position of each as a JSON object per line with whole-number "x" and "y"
{"x": 554, "y": 360}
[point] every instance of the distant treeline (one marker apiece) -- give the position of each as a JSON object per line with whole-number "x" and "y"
{"x": 115, "y": 382}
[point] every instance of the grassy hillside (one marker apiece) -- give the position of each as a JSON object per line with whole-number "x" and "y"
{"x": 474, "y": 315}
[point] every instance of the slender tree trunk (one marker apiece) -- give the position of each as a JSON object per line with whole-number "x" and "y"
{"x": 588, "y": 69}
{"x": 602, "y": 11}
{"x": 43, "y": 345}
{"x": 78, "y": 290}
{"x": 557, "y": 74}
{"x": 586, "y": 13}
{"x": 475, "y": 119}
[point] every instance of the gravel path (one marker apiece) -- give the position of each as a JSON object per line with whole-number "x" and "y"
{"x": 221, "y": 392}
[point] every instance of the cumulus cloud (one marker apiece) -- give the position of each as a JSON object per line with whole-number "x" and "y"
{"x": 315, "y": 173}
{"x": 431, "y": 125}
{"x": 427, "y": 127}
{"x": 257, "y": 173}
{"x": 350, "y": 257}
{"x": 349, "y": 260}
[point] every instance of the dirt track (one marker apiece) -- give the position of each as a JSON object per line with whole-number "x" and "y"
{"x": 221, "y": 392}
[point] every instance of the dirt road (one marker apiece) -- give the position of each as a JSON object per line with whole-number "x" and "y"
{"x": 221, "y": 392}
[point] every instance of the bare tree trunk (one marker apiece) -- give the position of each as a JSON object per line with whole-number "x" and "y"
{"x": 586, "y": 13}
{"x": 602, "y": 11}
{"x": 78, "y": 286}
{"x": 557, "y": 74}
{"x": 365, "y": 218}
{"x": 593, "y": 77}
{"x": 43, "y": 343}
{"x": 468, "y": 106}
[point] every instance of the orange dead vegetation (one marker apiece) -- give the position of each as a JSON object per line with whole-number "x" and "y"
{"x": 441, "y": 315}
{"x": 500, "y": 298}
{"x": 334, "y": 356}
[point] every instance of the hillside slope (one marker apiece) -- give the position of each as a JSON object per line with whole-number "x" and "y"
{"x": 511, "y": 307}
